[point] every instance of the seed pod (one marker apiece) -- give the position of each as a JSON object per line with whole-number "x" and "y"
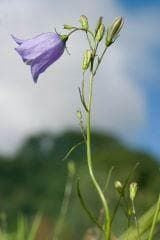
{"x": 133, "y": 190}
{"x": 98, "y": 25}
{"x": 113, "y": 31}
{"x": 68, "y": 27}
{"x": 118, "y": 186}
{"x": 86, "y": 59}
{"x": 100, "y": 33}
{"x": 84, "y": 22}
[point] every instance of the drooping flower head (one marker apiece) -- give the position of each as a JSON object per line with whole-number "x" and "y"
{"x": 41, "y": 51}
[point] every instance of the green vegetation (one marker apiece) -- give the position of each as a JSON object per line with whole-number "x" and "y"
{"x": 34, "y": 181}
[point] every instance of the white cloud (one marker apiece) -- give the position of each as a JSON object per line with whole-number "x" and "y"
{"x": 26, "y": 108}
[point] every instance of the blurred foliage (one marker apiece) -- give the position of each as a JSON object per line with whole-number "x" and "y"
{"x": 34, "y": 179}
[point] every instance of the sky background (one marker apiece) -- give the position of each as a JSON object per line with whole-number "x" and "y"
{"x": 127, "y": 88}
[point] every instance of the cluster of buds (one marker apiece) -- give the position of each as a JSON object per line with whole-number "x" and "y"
{"x": 112, "y": 31}
{"x": 132, "y": 189}
{"x": 111, "y": 35}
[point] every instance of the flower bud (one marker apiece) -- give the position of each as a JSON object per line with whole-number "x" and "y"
{"x": 79, "y": 114}
{"x": 133, "y": 190}
{"x": 84, "y": 22}
{"x": 68, "y": 27}
{"x": 118, "y": 186}
{"x": 113, "y": 31}
{"x": 98, "y": 25}
{"x": 86, "y": 59}
{"x": 100, "y": 32}
{"x": 71, "y": 168}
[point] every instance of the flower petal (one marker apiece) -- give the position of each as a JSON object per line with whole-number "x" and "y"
{"x": 17, "y": 40}
{"x": 40, "y": 64}
{"x": 33, "y": 48}
{"x": 41, "y": 51}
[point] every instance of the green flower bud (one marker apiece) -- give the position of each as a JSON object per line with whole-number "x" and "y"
{"x": 133, "y": 190}
{"x": 98, "y": 25}
{"x": 118, "y": 186}
{"x": 84, "y": 22}
{"x": 71, "y": 168}
{"x": 113, "y": 31}
{"x": 100, "y": 33}
{"x": 79, "y": 114}
{"x": 86, "y": 59}
{"x": 68, "y": 27}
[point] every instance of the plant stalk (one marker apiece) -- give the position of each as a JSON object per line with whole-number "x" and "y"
{"x": 89, "y": 161}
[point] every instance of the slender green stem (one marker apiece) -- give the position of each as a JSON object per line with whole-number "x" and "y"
{"x": 88, "y": 126}
{"x": 117, "y": 207}
{"x": 136, "y": 221}
{"x": 90, "y": 214}
{"x": 89, "y": 160}
{"x": 81, "y": 29}
{"x": 71, "y": 150}
{"x": 99, "y": 61}
{"x": 82, "y": 92}
{"x": 89, "y": 41}
{"x": 108, "y": 179}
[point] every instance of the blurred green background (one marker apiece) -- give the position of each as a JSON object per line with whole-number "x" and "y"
{"x": 33, "y": 181}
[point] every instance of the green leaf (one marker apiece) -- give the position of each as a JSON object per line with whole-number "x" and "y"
{"x": 145, "y": 222}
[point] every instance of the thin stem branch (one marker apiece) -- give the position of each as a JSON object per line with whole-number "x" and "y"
{"x": 99, "y": 61}
{"x": 81, "y": 29}
{"x": 136, "y": 221}
{"x": 89, "y": 160}
{"x": 89, "y": 41}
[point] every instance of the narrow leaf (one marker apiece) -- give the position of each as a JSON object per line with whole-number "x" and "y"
{"x": 145, "y": 222}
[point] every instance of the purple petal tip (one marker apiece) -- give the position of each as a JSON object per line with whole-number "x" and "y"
{"x": 17, "y": 40}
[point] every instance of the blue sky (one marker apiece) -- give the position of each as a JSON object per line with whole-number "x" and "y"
{"x": 148, "y": 136}
{"x": 135, "y": 4}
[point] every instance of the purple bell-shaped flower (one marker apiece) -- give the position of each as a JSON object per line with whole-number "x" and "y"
{"x": 41, "y": 51}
